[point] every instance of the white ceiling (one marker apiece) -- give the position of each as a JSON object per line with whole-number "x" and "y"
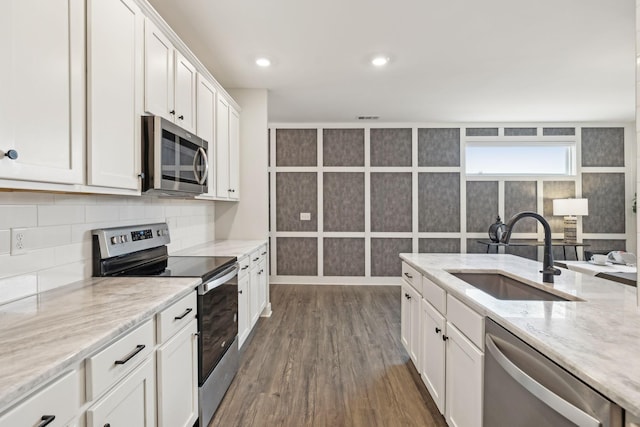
{"x": 451, "y": 60}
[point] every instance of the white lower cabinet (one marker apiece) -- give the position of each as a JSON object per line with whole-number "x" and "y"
{"x": 433, "y": 352}
{"x": 448, "y": 347}
{"x": 464, "y": 368}
{"x": 130, "y": 403}
{"x": 410, "y": 325}
{"x": 57, "y": 403}
{"x": 178, "y": 379}
{"x": 253, "y": 281}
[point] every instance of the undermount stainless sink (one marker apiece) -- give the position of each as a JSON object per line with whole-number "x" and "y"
{"x": 505, "y": 288}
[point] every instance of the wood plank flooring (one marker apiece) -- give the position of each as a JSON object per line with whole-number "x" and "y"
{"x": 328, "y": 356}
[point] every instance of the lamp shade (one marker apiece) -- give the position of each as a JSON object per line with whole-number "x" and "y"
{"x": 570, "y": 207}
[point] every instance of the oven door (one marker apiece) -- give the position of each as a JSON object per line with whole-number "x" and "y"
{"x": 217, "y": 320}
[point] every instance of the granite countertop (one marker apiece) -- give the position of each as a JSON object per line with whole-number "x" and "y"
{"x": 598, "y": 339}
{"x": 44, "y": 335}
{"x": 237, "y": 248}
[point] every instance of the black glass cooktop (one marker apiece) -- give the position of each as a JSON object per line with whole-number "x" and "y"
{"x": 184, "y": 266}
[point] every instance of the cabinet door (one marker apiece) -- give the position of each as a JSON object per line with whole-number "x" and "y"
{"x": 114, "y": 93}
{"x": 254, "y": 283}
{"x": 222, "y": 148}
{"x": 178, "y": 379}
{"x": 234, "y": 154}
{"x": 263, "y": 278}
{"x": 206, "y": 96}
{"x": 414, "y": 332}
{"x": 130, "y": 403}
{"x": 464, "y": 367}
{"x": 158, "y": 72}
{"x": 243, "y": 308}
{"x": 405, "y": 316}
{"x": 42, "y": 103}
{"x": 185, "y": 93}
{"x": 432, "y": 353}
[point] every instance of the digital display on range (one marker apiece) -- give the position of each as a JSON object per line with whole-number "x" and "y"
{"x": 141, "y": 235}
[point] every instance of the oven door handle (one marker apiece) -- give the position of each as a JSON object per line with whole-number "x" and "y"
{"x": 552, "y": 400}
{"x": 224, "y": 277}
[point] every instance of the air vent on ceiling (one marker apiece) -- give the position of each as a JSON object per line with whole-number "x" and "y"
{"x": 368, "y": 117}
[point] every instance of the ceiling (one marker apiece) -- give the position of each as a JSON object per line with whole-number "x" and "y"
{"x": 450, "y": 60}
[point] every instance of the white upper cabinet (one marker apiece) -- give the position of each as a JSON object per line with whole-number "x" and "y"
{"x": 170, "y": 80}
{"x": 158, "y": 72}
{"x": 206, "y": 97}
{"x": 234, "y": 154}
{"x": 114, "y": 93}
{"x": 42, "y": 85}
{"x": 222, "y": 148}
{"x": 185, "y": 93}
{"x": 227, "y": 151}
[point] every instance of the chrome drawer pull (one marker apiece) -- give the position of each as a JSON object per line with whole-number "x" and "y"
{"x": 183, "y": 315}
{"x": 130, "y": 356}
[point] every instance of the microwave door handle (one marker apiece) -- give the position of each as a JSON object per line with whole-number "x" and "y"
{"x": 552, "y": 400}
{"x": 201, "y": 179}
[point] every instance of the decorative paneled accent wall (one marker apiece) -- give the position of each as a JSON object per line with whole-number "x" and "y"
{"x": 370, "y": 193}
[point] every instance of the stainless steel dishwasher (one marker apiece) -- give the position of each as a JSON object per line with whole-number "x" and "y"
{"x": 524, "y": 388}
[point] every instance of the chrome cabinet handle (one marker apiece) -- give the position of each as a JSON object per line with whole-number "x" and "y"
{"x": 46, "y": 420}
{"x": 183, "y": 315}
{"x": 408, "y": 275}
{"x": 130, "y": 356}
{"x": 552, "y": 400}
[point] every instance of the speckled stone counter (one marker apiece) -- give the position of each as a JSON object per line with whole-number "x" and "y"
{"x": 236, "y": 248}
{"x": 597, "y": 339}
{"x": 43, "y": 335}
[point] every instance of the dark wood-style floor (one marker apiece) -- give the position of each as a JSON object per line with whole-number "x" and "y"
{"x": 328, "y": 356}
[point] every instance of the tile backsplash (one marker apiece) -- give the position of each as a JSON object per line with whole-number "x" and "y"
{"x": 56, "y": 230}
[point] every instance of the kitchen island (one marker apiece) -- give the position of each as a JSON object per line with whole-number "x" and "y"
{"x": 597, "y": 339}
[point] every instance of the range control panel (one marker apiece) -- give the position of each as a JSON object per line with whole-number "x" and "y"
{"x": 124, "y": 240}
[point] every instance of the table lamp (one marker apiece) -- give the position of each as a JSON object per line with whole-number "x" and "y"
{"x": 570, "y": 209}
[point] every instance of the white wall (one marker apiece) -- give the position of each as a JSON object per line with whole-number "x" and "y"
{"x": 57, "y": 233}
{"x": 249, "y": 218}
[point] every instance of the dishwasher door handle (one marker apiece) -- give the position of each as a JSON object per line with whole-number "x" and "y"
{"x": 552, "y": 400}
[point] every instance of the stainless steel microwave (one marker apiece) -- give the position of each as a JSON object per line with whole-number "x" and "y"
{"x": 174, "y": 161}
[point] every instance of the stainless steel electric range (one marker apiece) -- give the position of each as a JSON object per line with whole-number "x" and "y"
{"x": 141, "y": 251}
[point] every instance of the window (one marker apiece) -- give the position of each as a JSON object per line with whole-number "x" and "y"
{"x": 512, "y": 158}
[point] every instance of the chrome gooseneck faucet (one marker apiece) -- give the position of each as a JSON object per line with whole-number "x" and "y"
{"x": 548, "y": 271}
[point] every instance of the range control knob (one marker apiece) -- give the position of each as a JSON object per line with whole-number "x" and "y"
{"x": 114, "y": 240}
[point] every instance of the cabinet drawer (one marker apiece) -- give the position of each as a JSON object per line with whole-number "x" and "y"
{"x": 119, "y": 358}
{"x": 466, "y": 320}
{"x": 244, "y": 265}
{"x": 412, "y": 276}
{"x": 174, "y": 318}
{"x": 255, "y": 257}
{"x": 436, "y": 296}
{"x": 60, "y": 399}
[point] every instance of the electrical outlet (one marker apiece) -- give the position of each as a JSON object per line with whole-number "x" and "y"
{"x": 305, "y": 216}
{"x": 18, "y": 241}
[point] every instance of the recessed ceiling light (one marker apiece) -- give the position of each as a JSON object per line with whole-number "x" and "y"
{"x": 380, "y": 61}
{"x": 263, "y": 62}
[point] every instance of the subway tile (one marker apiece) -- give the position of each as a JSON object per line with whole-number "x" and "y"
{"x": 17, "y": 287}
{"x": 74, "y": 199}
{"x": 5, "y": 242}
{"x": 56, "y": 277}
{"x": 131, "y": 212}
{"x": 74, "y": 252}
{"x": 18, "y": 216}
{"x": 26, "y": 198}
{"x": 58, "y": 215}
{"x": 100, "y": 213}
{"x": 154, "y": 211}
{"x": 46, "y": 237}
{"x": 13, "y": 265}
